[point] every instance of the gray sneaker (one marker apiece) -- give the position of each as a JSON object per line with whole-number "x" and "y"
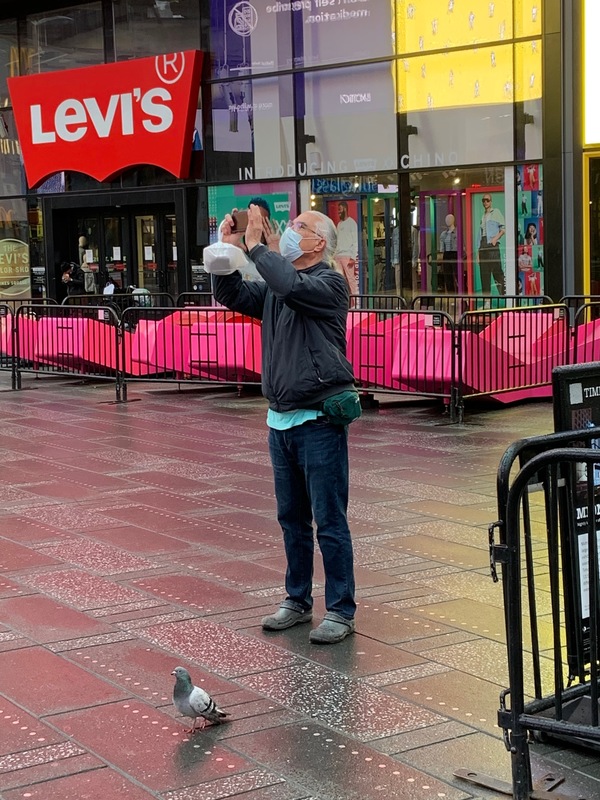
{"x": 285, "y": 618}
{"x": 332, "y": 630}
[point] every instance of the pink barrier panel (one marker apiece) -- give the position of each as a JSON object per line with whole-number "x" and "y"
{"x": 423, "y": 359}
{"x": 370, "y": 347}
{"x": 227, "y": 347}
{"x": 586, "y": 344}
{"x": 515, "y": 332}
{"x": 83, "y": 340}
{"x": 6, "y": 347}
{"x": 27, "y": 334}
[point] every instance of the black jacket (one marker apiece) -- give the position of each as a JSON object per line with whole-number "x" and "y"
{"x": 303, "y": 315}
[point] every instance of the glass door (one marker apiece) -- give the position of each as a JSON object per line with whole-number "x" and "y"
{"x": 146, "y": 253}
{"x": 170, "y": 238}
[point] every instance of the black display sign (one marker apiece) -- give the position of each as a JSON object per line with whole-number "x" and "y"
{"x": 576, "y": 393}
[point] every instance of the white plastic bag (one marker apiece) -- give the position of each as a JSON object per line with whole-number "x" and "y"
{"x": 223, "y": 258}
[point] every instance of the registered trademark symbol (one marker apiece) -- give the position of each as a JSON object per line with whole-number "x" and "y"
{"x": 170, "y": 68}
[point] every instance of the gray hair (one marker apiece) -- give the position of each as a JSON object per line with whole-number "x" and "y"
{"x": 324, "y": 227}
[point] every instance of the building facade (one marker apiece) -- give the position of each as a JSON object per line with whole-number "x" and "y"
{"x": 447, "y": 141}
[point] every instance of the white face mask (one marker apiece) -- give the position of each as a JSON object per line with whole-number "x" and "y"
{"x": 289, "y": 245}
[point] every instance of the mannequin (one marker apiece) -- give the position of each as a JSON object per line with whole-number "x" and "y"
{"x": 449, "y": 250}
{"x": 82, "y": 249}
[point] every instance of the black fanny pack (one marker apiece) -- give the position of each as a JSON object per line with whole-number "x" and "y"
{"x": 342, "y": 408}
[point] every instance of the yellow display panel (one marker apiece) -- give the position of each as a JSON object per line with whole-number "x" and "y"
{"x": 591, "y": 70}
{"x": 423, "y": 25}
{"x": 455, "y": 79}
{"x": 528, "y": 18}
{"x": 528, "y": 70}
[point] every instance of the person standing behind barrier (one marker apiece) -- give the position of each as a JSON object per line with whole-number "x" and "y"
{"x": 303, "y": 305}
{"x": 346, "y": 254}
{"x": 491, "y": 230}
{"x": 72, "y": 277}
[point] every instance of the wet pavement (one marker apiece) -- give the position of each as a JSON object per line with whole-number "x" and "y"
{"x": 138, "y": 537}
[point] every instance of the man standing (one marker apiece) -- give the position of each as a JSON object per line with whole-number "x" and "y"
{"x": 303, "y": 305}
{"x": 491, "y": 230}
{"x": 346, "y": 254}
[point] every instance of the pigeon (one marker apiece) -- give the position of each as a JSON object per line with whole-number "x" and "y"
{"x": 192, "y": 701}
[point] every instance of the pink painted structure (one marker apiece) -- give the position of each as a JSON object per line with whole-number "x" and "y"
{"x": 508, "y": 354}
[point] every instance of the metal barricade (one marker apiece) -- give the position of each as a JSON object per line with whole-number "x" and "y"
{"x": 458, "y": 304}
{"x": 195, "y": 299}
{"x": 377, "y": 302}
{"x": 403, "y": 352}
{"x": 67, "y": 340}
{"x": 7, "y": 361}
{"x": 510, "y": 350}
{"x": 585, "y": 333}
{"x": 574, "y": 302}
{"x": 118, "y": 302}
{"x": 190, "y": 345}
{"x": 549, "y": 518}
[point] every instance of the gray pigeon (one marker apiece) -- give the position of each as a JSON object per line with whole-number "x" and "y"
{"x": 192, "y": 701}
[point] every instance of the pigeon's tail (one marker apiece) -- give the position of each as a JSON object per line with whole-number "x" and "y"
{"x": 214, "y": 714}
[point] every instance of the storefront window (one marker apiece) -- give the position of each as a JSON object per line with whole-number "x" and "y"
{"x": 457, "y": 107}
{"x": 9, "y": 57}
{"x": 252, "y": 131}
{"x": 423, "y": 25}
{"x": 528, "y": 17}
{"x": 63, "y": 39}
{"x": 365, "y": 212}
{"x": 12, "y": 177}
{"x": 529, "y": 195}
{"x": 148, "y": 27}
{"x": 15, "y": 280}
{"x": 460, "y": 226}
{"x": 594, "y": 266}
{"x": 528, "y": 99}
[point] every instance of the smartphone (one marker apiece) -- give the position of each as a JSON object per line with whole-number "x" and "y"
{"x": 240, "y": 221}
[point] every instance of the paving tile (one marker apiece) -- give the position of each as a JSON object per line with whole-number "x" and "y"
{"x": 242, "y": 575}
{"x": 386, "y": 624}
{"x": 332, "y": 766}
{"x": 25, "y": 531}
{"x": 17, "y": 557}
{"x": 343, "y": 704}
{"x": 208, "y": 596}
{"x": 10, "y": 588}
{"x": 145, "y": 670}
{"x": 451, "y": 553}
{"x": 141, "y": 541}
{"x": 22, "y": 731}
{"x": 69, "y": 518}
{"x": 45, "y": 620}
{"x": 45, "y": 683}
{"x": 150, "y": 747}
{"x": 47, "y": 771}
{"x": 97, "y": 784}
{"x": 228, "y": 787}
{"x": 101, "y": 558}
{"x": 81, "y": 589}
{"x": 216, "y": 648}
{"x": 462, "y": 697}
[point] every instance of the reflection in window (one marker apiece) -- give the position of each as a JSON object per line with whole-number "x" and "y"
{"x": 423, "y": 25}
{"x": 528, "y": 96}
{"x": 12, "y": 177}
{"x": 14, "y": 250}
{"x": 9, "y": 57}
{"x": 253, "y": 124}
{"x": 528, "y": 17}
{"x": 63, "y": 39}
{"x": 149, "y": 27}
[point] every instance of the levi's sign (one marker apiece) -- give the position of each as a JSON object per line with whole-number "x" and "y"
{"x": 102, "y": 120}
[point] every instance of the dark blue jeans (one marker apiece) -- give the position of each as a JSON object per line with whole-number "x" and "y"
{"x": 310, "y": 465}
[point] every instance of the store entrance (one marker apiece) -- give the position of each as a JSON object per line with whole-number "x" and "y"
{"x": 132, "y": 246}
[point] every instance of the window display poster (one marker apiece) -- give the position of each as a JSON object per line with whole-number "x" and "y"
{"x": 281, "y": 198}
{"x": 530, "y": 229}
{"x": 345, "y": 216}
{"x": 488, "y": 227}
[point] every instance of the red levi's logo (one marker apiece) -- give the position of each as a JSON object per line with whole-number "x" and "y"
{"x": 102, "y": 120}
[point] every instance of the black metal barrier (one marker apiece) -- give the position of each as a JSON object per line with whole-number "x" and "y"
{"x": 73, "y": 340}
{"x": 190, "y": 345}
{"x": 377, "y": 302}
{"x": 575, "y": 301}
{"x": 7, "y": 342}
{"x": 405, "y": 352}
{"x": 510, "y": 349}
{"x": 457, "y": 304}
{"x": 549, "y": 518}
{"x": 194, "y": 299}
{"x": 118, "y": 302}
